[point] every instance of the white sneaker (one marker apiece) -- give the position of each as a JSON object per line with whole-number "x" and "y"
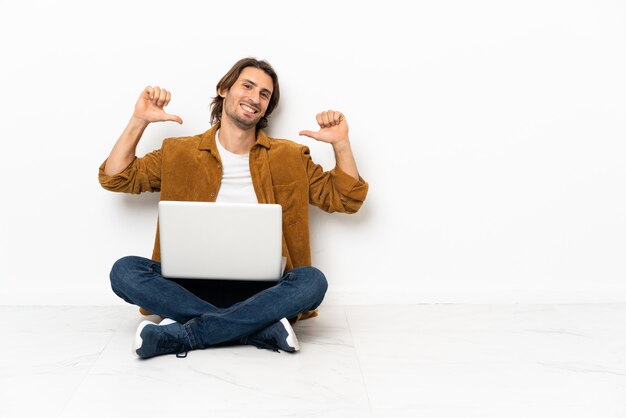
{"x": 138, "y": 341}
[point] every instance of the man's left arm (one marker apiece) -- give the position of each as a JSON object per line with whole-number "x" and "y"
{"x": 334, "y": 130}
{"x": 341, "y": 189}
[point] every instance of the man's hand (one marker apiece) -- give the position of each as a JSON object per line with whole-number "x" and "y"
{"x": 149, "y": 106}
{"x": 333, "y": 128}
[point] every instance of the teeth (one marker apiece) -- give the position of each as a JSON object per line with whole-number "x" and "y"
{"x": 248, "y": 108}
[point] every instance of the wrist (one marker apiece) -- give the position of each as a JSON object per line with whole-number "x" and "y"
{"x": 341, "y": 145}
{"x": 138, "y": 123}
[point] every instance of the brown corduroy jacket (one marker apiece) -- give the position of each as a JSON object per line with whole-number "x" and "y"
{"x": 190, "y": 169}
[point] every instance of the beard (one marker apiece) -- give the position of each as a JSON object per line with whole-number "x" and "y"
{"x": 240, "y": 121}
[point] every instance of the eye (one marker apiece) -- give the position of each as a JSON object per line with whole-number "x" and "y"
{"x": 247, "y": 86}
{"x": 265, "y": 95}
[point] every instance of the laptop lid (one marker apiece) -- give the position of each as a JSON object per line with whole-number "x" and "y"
{"x": 208, "y": 240}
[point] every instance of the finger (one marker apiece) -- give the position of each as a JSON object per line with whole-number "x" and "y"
{"x": 320, "y": 120}
{"x": 165, "y": 95}
{"x": 155, "y": 94}
{"x": 161, "y": 99}
{"x": 326, "y": 119}
{"x": 168, "y": 97}
{"x": 337, "y": 117}
{"x": 310, "y": 134}
{"x": 332, "y": 121}
{"x": 174, "y": 118}
{"x": 147, "y": 92}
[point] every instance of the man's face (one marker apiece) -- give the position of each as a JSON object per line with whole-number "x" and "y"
{"x": 246, "y": 101}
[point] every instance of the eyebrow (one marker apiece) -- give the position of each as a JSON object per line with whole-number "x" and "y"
{"x": 245, "y": 80}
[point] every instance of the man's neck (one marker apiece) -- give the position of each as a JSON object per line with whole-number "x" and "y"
{"x": 235, "y": 139}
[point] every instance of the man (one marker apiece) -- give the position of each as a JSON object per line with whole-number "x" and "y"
{"x": 234, "y": 161}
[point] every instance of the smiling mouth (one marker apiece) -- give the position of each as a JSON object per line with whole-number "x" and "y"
{"x": 249, "y": 109}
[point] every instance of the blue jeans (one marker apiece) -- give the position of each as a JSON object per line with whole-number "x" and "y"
{"x": 138, "y": 281}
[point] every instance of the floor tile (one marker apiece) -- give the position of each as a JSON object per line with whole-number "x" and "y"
{"x": 47, "y": 353}
{"x": 447, "y": 356}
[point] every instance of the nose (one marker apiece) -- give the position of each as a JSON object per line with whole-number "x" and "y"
{"x": 255, "y": 97}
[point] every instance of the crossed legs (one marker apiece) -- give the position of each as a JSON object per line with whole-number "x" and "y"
{"x": 138, "y": 281}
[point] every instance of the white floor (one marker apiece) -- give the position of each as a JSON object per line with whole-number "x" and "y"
{"x": 356, "y": 361}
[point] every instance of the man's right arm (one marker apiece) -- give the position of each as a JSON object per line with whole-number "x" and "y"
{"x": 123, "y": 152}
{"x": 148, "y": 109}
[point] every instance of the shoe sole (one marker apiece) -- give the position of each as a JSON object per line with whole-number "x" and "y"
{"x": 291, "y": 335}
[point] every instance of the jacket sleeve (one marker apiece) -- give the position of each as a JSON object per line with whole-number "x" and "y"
{"x": 142, "y": 175}
{"x": 333, "y": 191}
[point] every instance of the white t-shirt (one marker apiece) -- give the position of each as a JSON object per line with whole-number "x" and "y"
{"x": 236, "y": 179}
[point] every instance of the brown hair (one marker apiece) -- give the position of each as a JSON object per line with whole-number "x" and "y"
{"x": 229, "y": 79}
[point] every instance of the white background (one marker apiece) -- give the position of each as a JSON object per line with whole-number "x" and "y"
{"x": 491, "y": 133}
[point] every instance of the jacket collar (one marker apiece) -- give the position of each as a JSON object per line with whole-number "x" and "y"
{"x": 207, "y": 140}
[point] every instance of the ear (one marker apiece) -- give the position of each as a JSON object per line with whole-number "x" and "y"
{"x": 222, "y": 93}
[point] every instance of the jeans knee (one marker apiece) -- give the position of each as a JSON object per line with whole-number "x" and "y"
{"x": 322, "y": 283}
{"x": 316, "y": 281}
{"x": 119, "y": 271}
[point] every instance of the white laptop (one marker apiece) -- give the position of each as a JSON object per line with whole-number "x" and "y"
{"x": 205, "y": 240}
